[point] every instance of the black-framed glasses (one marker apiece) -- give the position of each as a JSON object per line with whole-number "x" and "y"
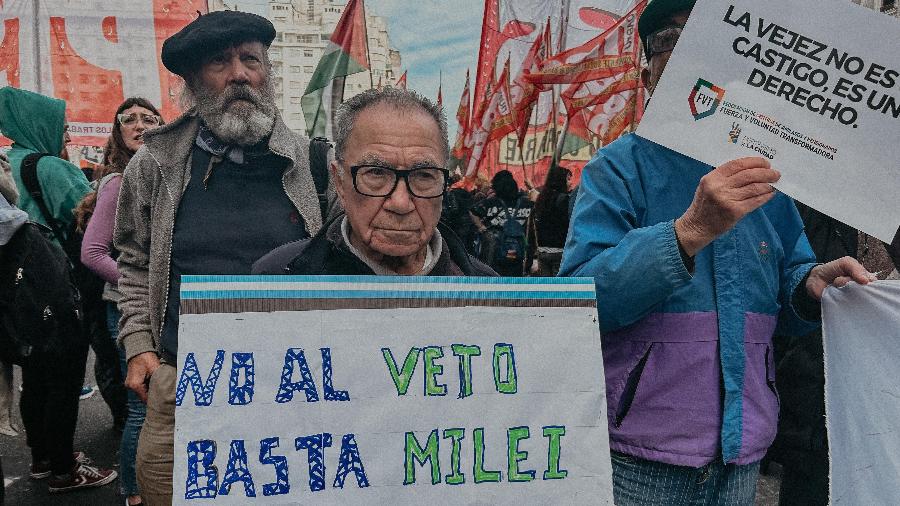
{"x": 663, "y": 40}
{"x": 381, "y": 181}
{"x": 130, "y": 119}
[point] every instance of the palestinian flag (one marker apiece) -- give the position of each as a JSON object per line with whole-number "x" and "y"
{"x": 401, "y": 83}
{"x": 345, "y": 55}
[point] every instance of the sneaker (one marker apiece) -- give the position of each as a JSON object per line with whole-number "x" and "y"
{"x": 87, "y": 392}
{"x": 8, "y": 429}
{"x": 83, "y": 476}
{"x": 41, "y": 470}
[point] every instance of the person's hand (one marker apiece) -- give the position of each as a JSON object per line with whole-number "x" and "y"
{"x": 724, "y": 196}
{"x": 140, "y": 368}
{"x": 838, "y": 273}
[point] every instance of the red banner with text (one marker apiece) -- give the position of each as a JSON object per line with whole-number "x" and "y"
{"x": 93, "y": 54}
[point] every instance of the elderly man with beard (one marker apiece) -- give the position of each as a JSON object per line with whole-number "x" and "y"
{"x": 209, "y": 193}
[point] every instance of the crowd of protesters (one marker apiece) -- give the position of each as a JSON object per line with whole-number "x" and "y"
{"x": 95, "y": 260}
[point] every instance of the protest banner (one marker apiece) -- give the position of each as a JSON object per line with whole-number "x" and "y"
{"x": 390, "y": 390}
{"x": 861, "y": 329}
{"x": 818, "y": 95}
{"x": 93, "y": 54}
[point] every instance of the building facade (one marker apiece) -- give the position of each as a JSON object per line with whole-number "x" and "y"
{"x": 889, "y": 7}
{"x": 304, "y": 28}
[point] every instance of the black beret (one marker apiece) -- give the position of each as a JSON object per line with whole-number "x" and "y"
{"x": 210, "y": 33}
{"x": 657, "y": 14}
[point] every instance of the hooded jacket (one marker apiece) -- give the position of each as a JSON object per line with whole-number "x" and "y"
{"x": 36, "y": 124}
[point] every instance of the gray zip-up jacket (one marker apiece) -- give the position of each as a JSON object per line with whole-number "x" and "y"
{"x": 152, "y": 186}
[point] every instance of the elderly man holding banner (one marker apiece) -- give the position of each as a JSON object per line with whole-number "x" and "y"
{"x": 695, "y": 267}
{"x": 389, "y": 170}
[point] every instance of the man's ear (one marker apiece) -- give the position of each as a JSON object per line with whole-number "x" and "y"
{"x": 337, "y": 180}
{"x": 645, "y": 77}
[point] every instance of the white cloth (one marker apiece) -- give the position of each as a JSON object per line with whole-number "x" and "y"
{"x": 861, "y": 332}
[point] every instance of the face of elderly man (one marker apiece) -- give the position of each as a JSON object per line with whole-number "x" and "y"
{"x": 394, "y": 230}
{"x": 657, "y": 63}
{"x": 234, "y": 95}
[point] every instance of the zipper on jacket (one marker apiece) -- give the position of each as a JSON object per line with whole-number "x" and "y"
{"x": 631, "y": 385}
{"x": 162, "y": 320}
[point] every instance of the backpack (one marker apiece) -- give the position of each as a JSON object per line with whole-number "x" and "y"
{"x": 40, "y": 306}
{"x": 89, "y": 284}
{"x": 318, "y": 167}
{"x": 511, "y": 242}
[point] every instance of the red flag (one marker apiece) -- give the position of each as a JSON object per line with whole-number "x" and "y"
{"x": 609, "y": 119}
{"x": 494, "y": 121}
{"x": 401, "y": 83}
{"x": 524, "y": 93}
{"x": 504, "y": 118}
{"x": 580, "y": 95}
{"x": 440, "y": 99}
{"x": 611, "y": 53}
{"x": 462, "y": 116}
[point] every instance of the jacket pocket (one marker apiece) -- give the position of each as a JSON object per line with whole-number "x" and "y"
{"x": 631, "y": 385}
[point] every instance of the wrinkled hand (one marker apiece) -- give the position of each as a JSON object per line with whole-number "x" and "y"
{"x": 724, "y": 196}
{"x": 838, "y": 273}
{"x": 140, "y": 368}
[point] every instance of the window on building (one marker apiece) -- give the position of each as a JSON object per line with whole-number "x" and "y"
{"x": 308, "y": 53}
{"x": 296, "y": 116}
{"x": 295, "y": 52}
{"x": 296, "y": 100}
{"x": 295, "y": 69}
{"x": 308, "y": 69}
{"x": 295, "y": 85}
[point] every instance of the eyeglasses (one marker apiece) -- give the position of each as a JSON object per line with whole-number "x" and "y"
{"x": 663, "y": 40}
{"x": 380, "y": 181}
{"x": 131, "y": 119}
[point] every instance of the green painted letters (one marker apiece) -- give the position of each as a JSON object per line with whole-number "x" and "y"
{"x": 432, "y": 370}
{"x": 554, "y": 433}
{"x": 401, "y": 378}
{"x": 415, "y": 453}
{"x": 481, "y": 475}
{"x": 457, "y": 435}
{"x": 507, "y": 386}
{"x": 514, "y": 435}
{"x": 465, "y": 354}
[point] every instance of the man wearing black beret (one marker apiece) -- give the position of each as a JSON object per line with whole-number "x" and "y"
{"x": 208, "y": 193}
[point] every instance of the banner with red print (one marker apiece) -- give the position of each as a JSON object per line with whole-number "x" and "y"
{"x": 93, "y": 54}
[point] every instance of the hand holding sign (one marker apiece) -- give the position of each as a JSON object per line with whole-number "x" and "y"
{"x": 724, "y": 196}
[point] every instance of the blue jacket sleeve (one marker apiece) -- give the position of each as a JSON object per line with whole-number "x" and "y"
{"x": 634, "y": 267}
{"x": 799, "y": 259}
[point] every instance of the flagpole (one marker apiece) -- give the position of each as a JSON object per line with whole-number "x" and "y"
{"x": 563, "y": 30}
{"x": 368, "y": 55}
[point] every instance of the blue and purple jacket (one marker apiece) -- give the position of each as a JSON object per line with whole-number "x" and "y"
{"x": 688, "y": 356}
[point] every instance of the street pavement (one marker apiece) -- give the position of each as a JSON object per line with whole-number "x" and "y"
{"x": 96, "y": 437}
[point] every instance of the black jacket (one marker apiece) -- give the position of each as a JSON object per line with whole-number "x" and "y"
{"x": 327, "y": 254}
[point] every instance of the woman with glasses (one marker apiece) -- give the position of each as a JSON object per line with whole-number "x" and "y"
{"x": 96, "y": 217}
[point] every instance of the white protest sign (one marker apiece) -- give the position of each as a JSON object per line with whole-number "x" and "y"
{"x": 383, "y": 390}
{"x": 861, "y": 332}
{"x": 812, "y": 85}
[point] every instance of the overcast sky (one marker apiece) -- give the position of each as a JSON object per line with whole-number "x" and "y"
{"x": 433, "y": 36}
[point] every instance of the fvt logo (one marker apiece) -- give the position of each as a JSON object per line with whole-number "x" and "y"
{"x": 705, "y": 99}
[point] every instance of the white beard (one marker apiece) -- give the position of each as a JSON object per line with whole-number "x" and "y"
{"x": 242, "y": 123}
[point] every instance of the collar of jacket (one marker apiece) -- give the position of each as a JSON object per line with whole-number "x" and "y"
{"x": 171, "y": 146}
